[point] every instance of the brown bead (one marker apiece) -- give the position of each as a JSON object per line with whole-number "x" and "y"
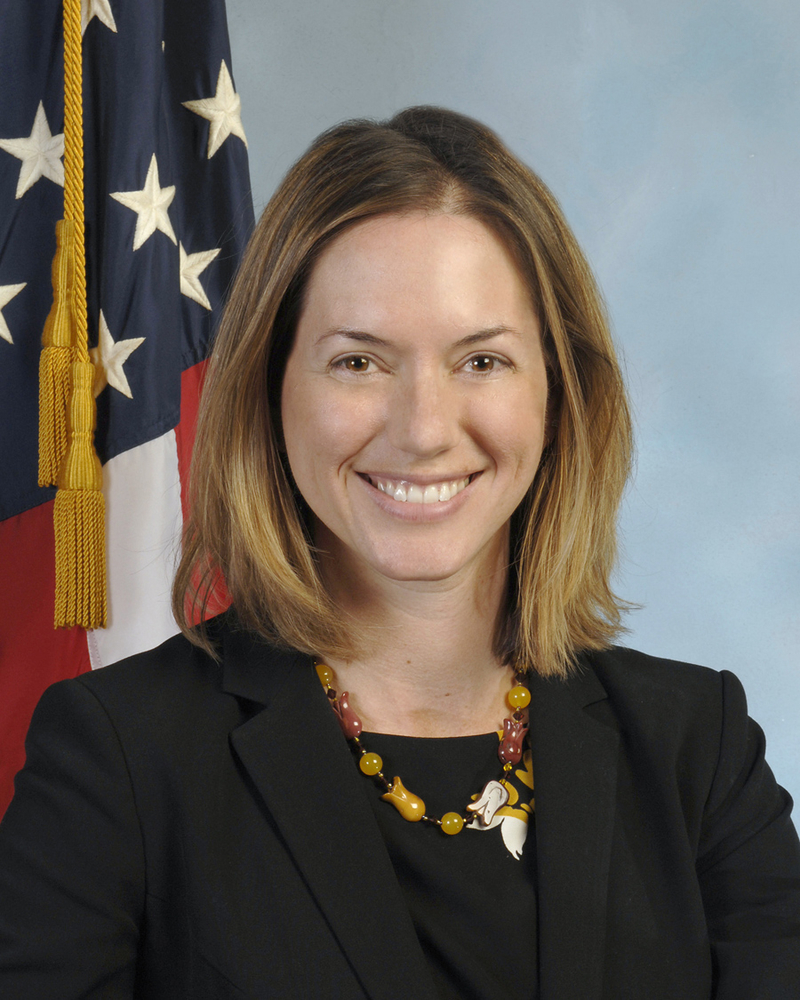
{"x": 510, "y": 749}
{"x": 348, "y": 720}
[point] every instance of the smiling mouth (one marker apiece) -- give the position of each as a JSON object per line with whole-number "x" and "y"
{"x": 406, "y": 492}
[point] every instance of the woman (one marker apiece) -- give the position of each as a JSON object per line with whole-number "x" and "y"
{"x": 412, "y": 450}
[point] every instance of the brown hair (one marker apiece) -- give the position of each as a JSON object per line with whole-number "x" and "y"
{"x": 248, "y": 521}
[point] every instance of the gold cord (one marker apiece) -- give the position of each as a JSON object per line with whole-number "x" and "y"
{"x": 67, "y": 412}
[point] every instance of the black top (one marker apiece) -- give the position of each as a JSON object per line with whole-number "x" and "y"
{"x": 186, "y": 827}
{"x": 472, "y": 896}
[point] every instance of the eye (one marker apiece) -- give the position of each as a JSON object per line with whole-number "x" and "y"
{"x": 484, "y": 364}
{"x": 355, "y": 364}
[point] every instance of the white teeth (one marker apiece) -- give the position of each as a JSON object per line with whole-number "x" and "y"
{"x": 405, "y": 492}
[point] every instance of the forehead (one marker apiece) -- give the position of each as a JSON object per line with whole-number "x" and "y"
{"x": 431, "y": 268}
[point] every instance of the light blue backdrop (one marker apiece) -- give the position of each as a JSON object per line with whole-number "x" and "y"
{"x": 671, "y": 135}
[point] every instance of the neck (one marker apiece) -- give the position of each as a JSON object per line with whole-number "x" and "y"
{"x": 425, "y": 664}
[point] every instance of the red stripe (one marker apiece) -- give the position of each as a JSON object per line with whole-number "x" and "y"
{"x": 191, "y": 390}
{"x": 33, "y": 654}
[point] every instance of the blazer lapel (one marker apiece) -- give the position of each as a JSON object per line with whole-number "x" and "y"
{"x": 575, "y": 774}
{"x": 302, "y": 767}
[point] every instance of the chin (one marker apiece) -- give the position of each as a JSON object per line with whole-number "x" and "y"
{"x": 427, "y": 567}
{"x": 427, "y": 574}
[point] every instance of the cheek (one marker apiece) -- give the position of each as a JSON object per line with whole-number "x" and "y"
{"x": 513, "y": 428}
{"x": 300, "y": 426}
{"x": 322, "y": 430}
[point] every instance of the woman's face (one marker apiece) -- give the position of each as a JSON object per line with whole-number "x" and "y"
{"x": 414, "y": 399}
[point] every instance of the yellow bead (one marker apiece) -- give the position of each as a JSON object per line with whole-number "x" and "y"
{"x": 409, "y": 805}
{"x": 325, "y": 674}
{"x": 370, "y": 763}
{"x": 452, "y": 823}
{"x": 519, "y": 697}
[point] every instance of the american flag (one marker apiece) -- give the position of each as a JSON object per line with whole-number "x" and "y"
{"x": 168, "y": 210}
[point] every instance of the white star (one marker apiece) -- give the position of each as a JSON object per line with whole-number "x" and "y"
{"x": 223, "y": 110}
{"x": 40, "y": 153}
{"x": 150, "y": 204}
{"x": 97, "y": 8}
{"x": 7, "y": 293}
{"x": 192, "y": 266}
{"x": 109, "y": 357}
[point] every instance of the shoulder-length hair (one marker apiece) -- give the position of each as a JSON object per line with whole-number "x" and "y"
{"x": 248, "y": 521}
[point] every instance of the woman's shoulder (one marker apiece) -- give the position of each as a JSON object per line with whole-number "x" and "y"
{"x": 623, "y": 667}
{"x": 176, "y": 665}
{"x": 179, "y": 684}
{"x": 667, "y": 701}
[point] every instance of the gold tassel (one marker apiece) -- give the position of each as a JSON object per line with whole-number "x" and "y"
{"x": 56, "y": 357}
{"x": 79, "y": 515}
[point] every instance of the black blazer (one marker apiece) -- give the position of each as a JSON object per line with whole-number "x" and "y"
{"x": 189, "y": 829}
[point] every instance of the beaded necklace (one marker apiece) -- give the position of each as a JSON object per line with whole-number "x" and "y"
{"x": 410, "y": 806}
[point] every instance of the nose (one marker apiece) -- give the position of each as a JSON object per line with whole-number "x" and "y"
{"x": 425, "y": 414}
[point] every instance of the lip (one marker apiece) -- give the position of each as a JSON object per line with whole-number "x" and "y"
{"x": 418, "y": 512}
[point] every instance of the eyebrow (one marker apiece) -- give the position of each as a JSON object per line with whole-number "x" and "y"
{"x": 369, "y": 338}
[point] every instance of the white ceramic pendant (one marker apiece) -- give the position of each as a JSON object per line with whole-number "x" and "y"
{"x": 493, "y": 797}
